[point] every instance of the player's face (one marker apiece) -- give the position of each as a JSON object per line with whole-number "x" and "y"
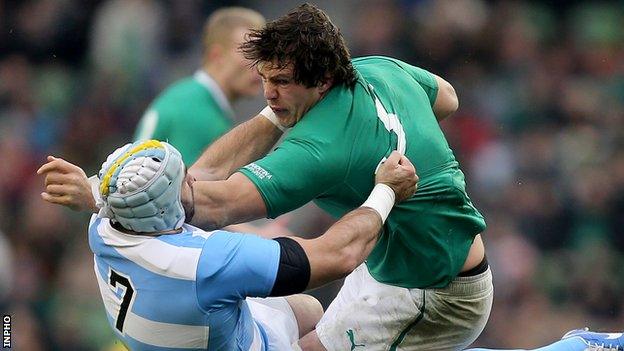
{"x": 245, "y": 80}
{"x": 288, "y": 99}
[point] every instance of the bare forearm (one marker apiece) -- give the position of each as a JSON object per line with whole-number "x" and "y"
{"x": 355, "y": 235}
{"x": 209, "y": 213}
{"x": 221, "y": 203}
{"x": 344, "y": 246}
{"x": 245, "y": 143}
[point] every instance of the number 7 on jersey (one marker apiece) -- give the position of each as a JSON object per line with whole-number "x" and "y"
{"x": 128, "y": 292}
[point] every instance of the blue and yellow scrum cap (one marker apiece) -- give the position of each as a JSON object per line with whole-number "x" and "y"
{"x": 140, "y": 185}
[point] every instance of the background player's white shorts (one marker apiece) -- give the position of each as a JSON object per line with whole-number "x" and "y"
{"x": 277, "y": 319}
{"x": 368, "y": 315}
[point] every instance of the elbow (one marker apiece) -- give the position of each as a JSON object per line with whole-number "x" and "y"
{"x": 206, "y": 222}
{"x": 446, "y": 102}
{"x": 455, "y": 102}
{"x": 209, "y": 224}
{"x": 208, "y": 217}
{"x": 451, "y": 101}
{"x": 349, "y": 260}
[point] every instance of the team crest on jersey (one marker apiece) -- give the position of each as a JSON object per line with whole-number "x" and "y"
{"x": 258, "y": 171}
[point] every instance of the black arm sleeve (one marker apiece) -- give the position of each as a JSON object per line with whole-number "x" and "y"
{"x": 293, "y": 273}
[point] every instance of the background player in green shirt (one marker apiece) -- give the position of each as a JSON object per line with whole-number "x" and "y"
{"x": 426, "y": 284}
{"x": 194, "y": 111}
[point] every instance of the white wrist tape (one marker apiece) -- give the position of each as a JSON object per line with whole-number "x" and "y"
{"x": 381, "y": 199}
{"x": 105, "y": 211}
{"x": 94, "y": 182}
{"x": 270, "y": 115}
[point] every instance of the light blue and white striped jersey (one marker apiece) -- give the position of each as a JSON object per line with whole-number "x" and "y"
{"x": 183, "y": 291}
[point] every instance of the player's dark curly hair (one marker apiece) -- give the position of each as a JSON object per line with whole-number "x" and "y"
{"x": 308, "y": 39}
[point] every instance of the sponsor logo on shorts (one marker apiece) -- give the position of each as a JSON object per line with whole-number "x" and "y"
{"x": 258, "y": 171}
{"x": 351, "y": 336}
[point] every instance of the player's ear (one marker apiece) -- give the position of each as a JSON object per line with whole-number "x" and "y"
{"x": 214, "y": 52}
{"x": 325, "y": 85}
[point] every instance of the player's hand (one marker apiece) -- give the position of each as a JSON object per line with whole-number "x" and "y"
{"x": 66, "y": 184}
{"x": 398, "y": 173}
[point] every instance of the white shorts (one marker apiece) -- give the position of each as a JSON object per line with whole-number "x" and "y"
{"x": 277, "y": 318}
{"x": 368, "y": 315}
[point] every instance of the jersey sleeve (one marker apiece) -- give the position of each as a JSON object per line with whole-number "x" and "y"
{"x": 234, "y": 266}
{"x": 295, "y": 173}
{"x": 424, "y": 78}
{"x": 151, "y": 126}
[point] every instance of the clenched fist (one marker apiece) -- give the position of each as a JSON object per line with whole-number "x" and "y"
{"x": 398, "y": 173}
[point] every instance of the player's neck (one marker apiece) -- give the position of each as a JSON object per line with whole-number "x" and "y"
{"x": 221, "y": 77}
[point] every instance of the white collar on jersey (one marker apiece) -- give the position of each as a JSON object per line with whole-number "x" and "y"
{"x": 206, "y": 80}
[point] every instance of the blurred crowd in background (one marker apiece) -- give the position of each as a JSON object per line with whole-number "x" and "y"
{"x": 539, "y": 133}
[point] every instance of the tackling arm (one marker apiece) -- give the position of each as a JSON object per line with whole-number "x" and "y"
{"x": 245, "y": 143}
{"x": 343, "y": 247}
{"x": 347, "y": 243}
{"x": 221, "y": 203}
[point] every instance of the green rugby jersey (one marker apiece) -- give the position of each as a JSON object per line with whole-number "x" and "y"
{"x": 190, "y": 115}
{"x": 331, "y": 155}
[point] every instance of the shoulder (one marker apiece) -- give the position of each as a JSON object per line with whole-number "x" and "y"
{"x": 227, "y": 242}
{"x": 93, "y": 234}
{"x": 373, "y": 65}
{"x": 375, "y": 60}
{"x": 190, "y": 237}
{"x": 227, "y": 253}
{"x": 180, "y": 86}
{"x": 181, "y": 90}
{"x": 327, "y": 114}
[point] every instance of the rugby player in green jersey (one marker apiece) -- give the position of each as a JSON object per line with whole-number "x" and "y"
{"x": 194, "y": 111}
{"x": 426, "y": 285}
